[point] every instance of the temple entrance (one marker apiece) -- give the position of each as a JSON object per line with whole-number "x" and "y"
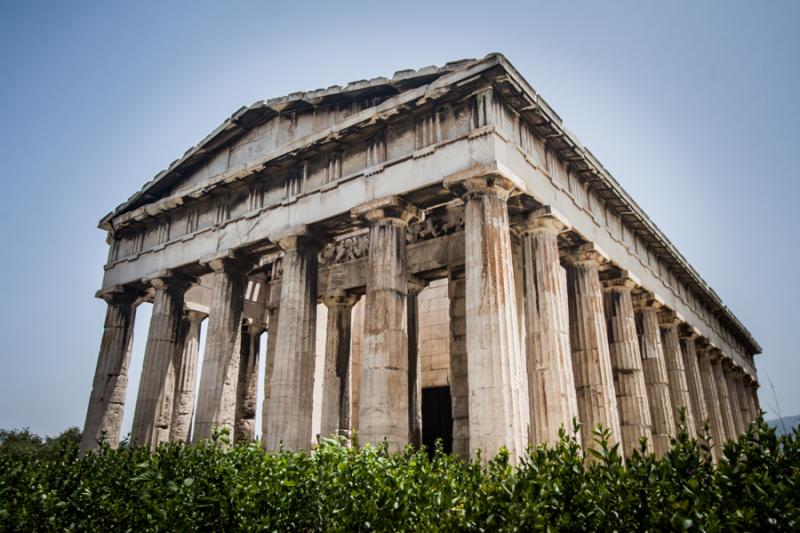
{"x": 437, "y": 418}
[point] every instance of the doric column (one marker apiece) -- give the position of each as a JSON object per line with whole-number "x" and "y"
{"x": 712, "y": 398}
{"x": 694, "y": 380}
{"x": 459, "y": 377}
{"x": 383, "y": 402}
{"x": 153, "y": 414}
{"x": 292, "y": 385}
{"x": 216, "y": 400}
{"x": 247, "y": 384}
{"x": 107, "y": 400}
{"x": 493, "y": 342}
{"x": 654, "y": 366}
{"x": 273, "y": 308}
{"x": 751, "y": 393}
{"x": 748, "y": 409}
{"x": 415, "y": 285}
{"x": 680, "y": 397}
{"x": 551, "y": 382}
{"x": 626, "y": 360}
{"x": 591, "y": 359}
{"x": 725, "y": 405}
{"x": 733, "y": 393}
{"x": 185, "y": 378}
{"x": 336, "y": 374}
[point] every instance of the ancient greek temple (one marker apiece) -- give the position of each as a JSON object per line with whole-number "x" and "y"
{"x": 431, "y": 256}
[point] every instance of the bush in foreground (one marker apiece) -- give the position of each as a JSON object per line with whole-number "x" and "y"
{"x": 213, "y": 487}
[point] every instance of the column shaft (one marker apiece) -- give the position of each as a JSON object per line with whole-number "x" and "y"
{"x": 678, "y": 382}
{"x": 185, "y": 379}
{"x": 336, "y": 375}
{"x": 269, "y": 359}
{"x": 626, "y": 362}
{"x": 107, "y": 400}
{"x": 695, "y": 383}
{"x": 151, "y": 420}
{"x": 216, "y": 401}
{"x": 725, "y": 405}
{"x": 383, "y": 401}
{"x": 247, "y": 384}
{"x": 459, "y": 377}
{"x": 292, "y": 384}
{"x": 551, "y": 383}
{"x": 591, "y": 360}
{"x": 493, "y": 341}
{"x": 748, "y": 414}
{"x": 414, "y": 368}
{"x": 712, "y": 401}
{"x": 656, "y": 378}
{"x": 736, "y": 410}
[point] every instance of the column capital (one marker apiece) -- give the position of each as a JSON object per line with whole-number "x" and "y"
{"x": 491, "y": 184}
{"x": 392, "y": 209}
{"x": 619, "y": 280}
{"x": 195, "y": 315}
{"x": 253, "y": 326}
{"x": 702, "y": 344}
{"x": 669, "y": 318}
{"x": 687, "y": 331}
{"x": 229, "y": 261}
{"x": 415, "y": 285}
{"x": 339, "y": 297}
{"x": 545, "y": 219}
{"x": 644, "y": 299}
{"x": 119, "y": 295}
{"x": 292, "y": 239}
{"x": 169, "y": 279}
{"x": 585, "y": 254}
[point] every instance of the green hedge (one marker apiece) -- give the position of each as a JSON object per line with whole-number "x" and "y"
{"x": 214, "y": 487}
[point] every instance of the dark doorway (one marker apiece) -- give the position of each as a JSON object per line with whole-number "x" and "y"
{"x": 437, "y": 418}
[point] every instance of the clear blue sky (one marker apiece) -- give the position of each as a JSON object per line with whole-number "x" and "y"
{"x": 693, "y": 106}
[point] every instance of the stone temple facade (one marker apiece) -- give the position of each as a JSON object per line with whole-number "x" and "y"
{"x": 430, "y": 256}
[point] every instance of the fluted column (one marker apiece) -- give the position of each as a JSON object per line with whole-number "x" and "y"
{"x": 414, "y": 365}
{"x": 626, "y": 361}
{"x": 712, "y": 399}
{"x": 273, "y": 311}
{"x": 694, "y": 380}
{"x": 493, "y": 342}
{"x": 383, "y": 401}
{"x": 751, "y": 393}
{"x": 216, "y": 400}
{"x": 107, "y": 400}
{"x": 591, "y": 359}
{"x": 336, "y": 374}
{"x": 733, "y": 393}
{"x": 725, "y": 405}
{"x": 459, "y": 376}
{"x": 748, "y": 408}
{"x": 153, "y": 414}
{"x": 247, "y": 384}
{"x": 186, "y": 378}
{"x": 551, "y": 383}
{"x": 654, "y": 367}
{"x": 292, "y": 383}
{"x": 679, "y": 395}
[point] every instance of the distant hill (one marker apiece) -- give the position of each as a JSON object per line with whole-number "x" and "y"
{"x": 785, "y": 424}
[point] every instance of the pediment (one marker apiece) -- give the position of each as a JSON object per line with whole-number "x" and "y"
{"x": 254, "y": 131}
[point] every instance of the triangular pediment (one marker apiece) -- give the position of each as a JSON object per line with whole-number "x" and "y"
{"x": 255, "y": 131}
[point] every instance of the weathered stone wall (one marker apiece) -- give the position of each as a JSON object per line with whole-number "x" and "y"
{"x": 434, "y": 334}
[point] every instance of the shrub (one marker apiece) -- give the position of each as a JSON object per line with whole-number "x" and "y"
{"x": 212, "y": 486}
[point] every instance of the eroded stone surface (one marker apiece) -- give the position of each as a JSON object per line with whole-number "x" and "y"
{"x": 551, "y": 384}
